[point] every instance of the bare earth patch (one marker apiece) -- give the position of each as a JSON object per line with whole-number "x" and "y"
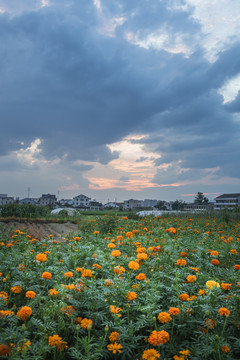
{"x": 42, "y": 230}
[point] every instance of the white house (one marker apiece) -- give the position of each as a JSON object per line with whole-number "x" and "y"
{"x": 4, "y": 199}
{"x": 81, "y": 201}
{"x": 47, "y": 199}
{"x": 227, "y": 201}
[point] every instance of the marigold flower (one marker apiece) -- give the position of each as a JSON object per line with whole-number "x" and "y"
{"x": 226, "y": 286}
{"x": 115, "y": 310}
{"x": 233, "y": 251}
{"x": 184, "y": 352}
{"x": 116, "y": 253}
{"x": 30, "y": 294}
{"x": 181, "y": 262}
{"x": 3, "y": 296}
{"x": 5, "y": 350}
{"x": 115, "y": 348}
{"x": 225, "y": 349}
{"x": 86, "y": 323}
{"x": 24, "y": 313}
{"x": 214, "y": 253}
{"x": 158, "y": 337}
{"x": 79, "y": 269}
{"x": 87, "y": 273}
{"x": 97, "y": 266}
{"x": 201, "y": 292}
{"x": 164, "y": 317}
{"x": 119, "y": 270}
{"x": 24, "y": 346}
{"x": 77, "y": 238}
{"x": 174, "y": 311}
{"x": 172, "y": 230}
{"x": 224, "y": 311}
{"x": 53, "y": 292}
{"x": 114, "y": 336}
{"x": 183, "y": 297}
{"x": 150, "y": 354}
{"x": 191, "y": 278}
{"x": 131, "y": 296}
{"x": 141, "y": 277}
{"x": 142, "y": 256}
{"x": 129, "y": 234}
{"x": 141, "y": 250}
{"x": 183, "y": 254}
{"x": 4, "y": 313}
{"x": 215, "y": 262}
{"x": 210, "y": 284}
{"x": 109, "y": 282}
{"x": 41, "y": 257}
{"x": 56, "y": 341}
{"x": 96, "y": 232}
{"x": 210, "y": 323}
{"x": 119, "y": 238}
{"x": 68, "y": 274}
{"x": 194, "y": 268}
{"x": 133, "y": 265}
{"x": 46, "y": 275}
{"x": 237, "y": 267}
{"x": 16, "y": 289}
{"x": 111, "y": 246}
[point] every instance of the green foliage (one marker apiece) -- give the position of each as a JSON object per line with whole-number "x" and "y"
{"x": 24, "y": 210}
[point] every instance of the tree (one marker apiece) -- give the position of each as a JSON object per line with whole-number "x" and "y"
{"x": 161, "y": 205}
{"x": 178, "y": 205}
{"x": 200, "y": 198}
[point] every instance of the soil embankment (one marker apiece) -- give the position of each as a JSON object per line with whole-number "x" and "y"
{"x": 39, "y": 230}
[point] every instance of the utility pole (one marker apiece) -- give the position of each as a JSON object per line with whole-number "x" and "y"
{"x": 28, "y": 191}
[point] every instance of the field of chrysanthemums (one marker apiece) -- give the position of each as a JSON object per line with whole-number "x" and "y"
{"x": 153, "y": 288}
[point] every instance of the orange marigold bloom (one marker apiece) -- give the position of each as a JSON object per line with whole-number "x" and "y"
{"x": 24, "y": 313}
{"x": 56, "y": 341}
{"x": 115, "y": 348}
{"x": 116, "y": 253}
{"x": 68, "y": 274}
{"x": 111, "y": 246}
{"x": 233, "y": 251}
{"x": 226, "y": 286}
{"x": 158, "y": 337}
{"x": 215, "y": 262}
{"x": 142, "y": 256}
{"x": 224, "y": 311}
{"x": 16, "y": 289}
{"x": 115, "y": 310}
{"x": 141, "y": 250}
{"x": 164, "y": 317}
{"x": 172, "y": 230}
{"x": 68, "y": 310}
{"x": 46, "y": 275}
{"x": 181, "y": 262}
{"x": 96, "y": 232}
{"x": 86, "y": 323}
{"x": 201, "y": 292}
{"x": 4, "y": 313}
{"x": 30, "y": 294}
{"x": 133, "y": 265}
{"x": 109, "y": 282}
{"x": 119, "y": 238}
{"x": 129, "y": 234}
{"x": 79, "y": 269}
{"x": 191, "y": 278}
{"x": 194, "y": 268}
{"x": 237, "y": 267}
{"x": 131, "y": 296}
{"x": 114, "y": 336}
{"x": 141, "y": 277}
{"x": 214, "y": 253}
{"x": 210, "y": 323}
{"x": 183, "y": 254}
{"x": 174, "y": 311}
{"x": 150, "y": 354}
{"x": 225, "y": 349}
{"x": 211, "y": 283}
{"x": 5, "y": 350}
{"x": 3, "y": 296}
{"x": 87, "y": 273}
{"x": 183, "y": 297}
{"x": 77, "y": 238}
{"x": 119, "y": 270}
{"x": 41, "y": 257}
{"x": 53, "y": 292}
{"x": 97, "y": 266}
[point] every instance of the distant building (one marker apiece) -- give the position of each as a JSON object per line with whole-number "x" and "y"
{"x": 95, "y": 205}
{"x": 149, "y": 203}
{"x": 111, "y": 205}
{"x": 47, "y": 199}
{"x": 66, "y": 202}
{"x": 81, "y": 201}
{"x": 198, "y": 207}
{"x": 32, "y": 201}
{"x": 4, "y": 199}
{"x": 132, "y": 204}
{"x": 227, "y": 201}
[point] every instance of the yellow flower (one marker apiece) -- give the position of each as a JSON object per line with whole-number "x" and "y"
{"x": 4, "y": 313}
{"x": 24, "y": 346}
{"x": 41, "y": 257}
{"x": 210, "y": 284}
{"x": 133, "y": 265}
{"x": 53, "y": 292}
{"x": 191, "y": 278}
{"x": 141, "y": 277}
{"x": 116, "y": 253}
{"x": 174, "y": 311}
{"x": 131, "y": 296}
{"x": 225, "y": 349}
{"x": 114, "y": 336}
{"x": 115, "y": 348}
{"x": 181, "y": 262}
{"x": 87, "y": 273}
{"x": 115, "y": 310}
{"x": 119, "y": 270}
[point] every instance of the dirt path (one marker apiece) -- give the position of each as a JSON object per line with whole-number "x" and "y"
{"x": 39, "y": 231}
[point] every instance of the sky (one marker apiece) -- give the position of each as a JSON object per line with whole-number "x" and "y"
{"x": 120, "y": 99}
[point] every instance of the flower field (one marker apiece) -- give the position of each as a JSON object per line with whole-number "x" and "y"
{"x": 155, "y": 288}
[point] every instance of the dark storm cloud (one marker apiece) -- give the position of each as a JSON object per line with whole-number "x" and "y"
{"x": 78, "y": 90}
